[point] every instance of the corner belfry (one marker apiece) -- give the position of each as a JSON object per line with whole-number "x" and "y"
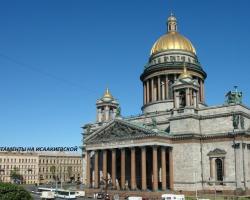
{"x": 107, "y": 107}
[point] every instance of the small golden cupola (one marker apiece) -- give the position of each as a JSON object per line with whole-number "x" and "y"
{"x": 107, "y": 94}
{"x": 172, "y": 40}
{"x": 185, "y": 74}
{"x": 186, "y": 91}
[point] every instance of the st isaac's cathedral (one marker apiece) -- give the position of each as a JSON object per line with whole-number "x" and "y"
{"x": 178, "y": 143}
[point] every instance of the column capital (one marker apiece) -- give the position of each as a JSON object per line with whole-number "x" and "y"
{"x": 143, "y": 147}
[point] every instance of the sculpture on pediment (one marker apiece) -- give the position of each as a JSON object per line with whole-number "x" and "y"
{"x": 119, "y": 130}
{"x": 118, "y": 112}
{"x": 154, "y": 122}
{"x": 242, "y": 122}
{"x": 236, "y": 119}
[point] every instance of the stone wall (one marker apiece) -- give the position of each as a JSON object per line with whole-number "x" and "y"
{"x": 187, "y": 168}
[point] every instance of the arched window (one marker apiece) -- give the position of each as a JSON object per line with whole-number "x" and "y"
{"x": 219, "y": 169}
{"x": 182, "y": 100}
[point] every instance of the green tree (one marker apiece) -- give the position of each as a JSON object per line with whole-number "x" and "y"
{"x": 69, "y": 171}
{"x": 15, "y": 175}
{"x": 10, "y": 191}
{"x": 53, "y": 171}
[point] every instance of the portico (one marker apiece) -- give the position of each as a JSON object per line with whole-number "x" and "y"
{"x": 132, "y": 163}
{"x": 131, "y": 168}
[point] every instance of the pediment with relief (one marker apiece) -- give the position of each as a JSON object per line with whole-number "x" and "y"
{"x": 117, "y": 130}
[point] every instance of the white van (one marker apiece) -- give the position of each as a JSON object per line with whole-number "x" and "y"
{"x": 172, "y": 197}
{"x": 65, "y": 194}
{"x": 80, "y": 193}
{"x": 47, "y": 195}
{"x": 134, "y": 198}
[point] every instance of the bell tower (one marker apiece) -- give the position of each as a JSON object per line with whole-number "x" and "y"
{"x": 107, "y": 107}
{"x": 186, "y": 91}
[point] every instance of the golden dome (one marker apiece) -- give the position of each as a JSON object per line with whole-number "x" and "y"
{"x": 172, "y": 40}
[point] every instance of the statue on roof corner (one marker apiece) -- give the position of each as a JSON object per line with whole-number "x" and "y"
{"x": 118, "y": 112}
{"x": 234, "y": 97}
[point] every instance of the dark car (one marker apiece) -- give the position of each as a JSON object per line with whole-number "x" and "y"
{"x": 103, "y": 196}
{"x": 100, "y": 196}
{"x": 107, "y": 197}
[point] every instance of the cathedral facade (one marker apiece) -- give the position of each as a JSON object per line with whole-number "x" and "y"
{"x": 178, "y": 143}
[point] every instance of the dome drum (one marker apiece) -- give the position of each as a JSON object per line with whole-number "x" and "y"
{"x": 172, "y": 68}
{"x": 172, "y": 57}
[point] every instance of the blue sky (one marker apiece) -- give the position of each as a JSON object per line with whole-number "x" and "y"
{"x": 57, "y": 57}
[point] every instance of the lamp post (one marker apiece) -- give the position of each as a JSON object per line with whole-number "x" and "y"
{"x": 105, "y": 182}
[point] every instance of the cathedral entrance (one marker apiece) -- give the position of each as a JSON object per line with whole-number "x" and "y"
{"x": 131, "y": 168}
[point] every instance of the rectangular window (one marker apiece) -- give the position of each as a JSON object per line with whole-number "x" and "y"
{"x": 172, "y": 58}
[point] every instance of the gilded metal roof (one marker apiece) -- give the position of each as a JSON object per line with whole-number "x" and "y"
{"x": 172, "y": 40}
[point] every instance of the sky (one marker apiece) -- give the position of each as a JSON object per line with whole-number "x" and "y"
{"x": 57, "y": 57}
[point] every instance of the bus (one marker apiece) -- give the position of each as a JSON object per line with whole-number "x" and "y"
{"x": 43, "y": 189}
{"x": 65, "y": 194}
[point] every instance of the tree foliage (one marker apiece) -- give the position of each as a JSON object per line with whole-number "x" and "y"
{"x": 15, "y": 175}
{"x": 69, "y": 170}
{"x": 53, "y": 171}
{"x": 10, "y": 191}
